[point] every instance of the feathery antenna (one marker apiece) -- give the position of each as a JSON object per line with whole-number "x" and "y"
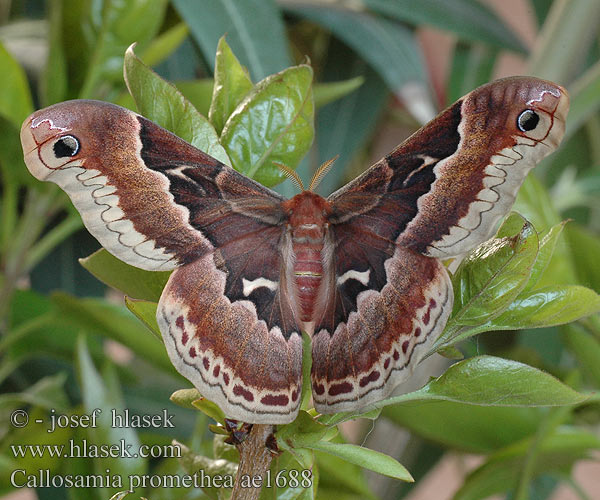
{"x": 290, "y": 174}
{"x": 320, "y": 173}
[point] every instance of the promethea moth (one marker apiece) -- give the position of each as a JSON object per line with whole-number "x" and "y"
{"x": 360, "y": 270}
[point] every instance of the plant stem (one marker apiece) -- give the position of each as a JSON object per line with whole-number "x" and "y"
{"x": 255, "y": 459}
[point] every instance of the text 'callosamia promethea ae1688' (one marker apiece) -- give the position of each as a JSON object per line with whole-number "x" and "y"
{"x": 359, "y": 270}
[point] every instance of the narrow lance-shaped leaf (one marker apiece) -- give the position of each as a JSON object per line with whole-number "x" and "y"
{"x": 161, "y": 102}
{"x": 255, "y": 30}
{"x": 15, "y": 99}
{"x": 365, "y": 457}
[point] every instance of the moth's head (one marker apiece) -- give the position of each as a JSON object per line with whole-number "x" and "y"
{"x": 307, "y": 208}
{"x": 523, "y": 106}
{"x": 64, "y": 134}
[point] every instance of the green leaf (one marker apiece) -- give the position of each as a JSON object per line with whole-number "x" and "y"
{"x": 161, "y": 102}
{"x": 232, "y": 83}
{"x": 53, "y": 83}
{"x": 332, "y": 91}
{"x": 254, "y": 28}
{"x": 137, "y": 283}
{"x": 146, "y": 312}
{"x": 163, "y": 45}
{"x": 15, "y": 98}
{"x": 547, "y": 306}
{"x": 274, "y": 123}
{"x": 467, "y": 19}
{"x": 115, "y": 28}
{"x": 369, "y": 459}
{"x": 491, "y": 276}
{"x": 491, "y": 381}
{"x": 547, "y": 246}
{"x": 185, "y": 397}
{"x": 209, "y": 408}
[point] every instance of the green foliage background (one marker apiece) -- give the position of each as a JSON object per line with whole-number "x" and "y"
{"x": 519, "y": 396}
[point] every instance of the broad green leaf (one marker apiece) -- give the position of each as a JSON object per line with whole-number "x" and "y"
{"x": 500, "y": 473}
{"x": 387, "y": 46}
{"x": 369, "y": 459}
{"x": 113, "y": 322}
{"x": 53, "y": 83}
{"x": 467, "y": 19}
{"x": 274, "y": 123}
{"x": 116, "y": 27}
{"x": 331, "y": 91}
{"x": 232, "y": 83}
{"x": 254, "y": 28}
{"x": 492, "y": 381}
{"x": 547, "y": 245}
{"x": 15, "y": 98}
{"x": 161, "y": 102}
{"x": 491, "y": 276}
{"x": 547, "y": 306}
{"x": 474, "y": 429}
{"x": 101, "y": 394}
{"x": 134, "y": 282}
{"x": 163, "y": 45}
{"x": 145, "y": 311}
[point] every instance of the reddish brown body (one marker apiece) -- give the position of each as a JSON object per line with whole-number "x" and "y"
{"x": 307, "y": 224}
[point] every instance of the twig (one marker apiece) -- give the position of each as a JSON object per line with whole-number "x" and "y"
{"x": 255, "y": 459}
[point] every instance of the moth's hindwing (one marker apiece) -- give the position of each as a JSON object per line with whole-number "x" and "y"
{"x": 382, "y": 320}
{"x": 250, "y": 367}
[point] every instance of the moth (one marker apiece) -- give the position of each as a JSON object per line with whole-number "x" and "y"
{"x": 360, "y": 271}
